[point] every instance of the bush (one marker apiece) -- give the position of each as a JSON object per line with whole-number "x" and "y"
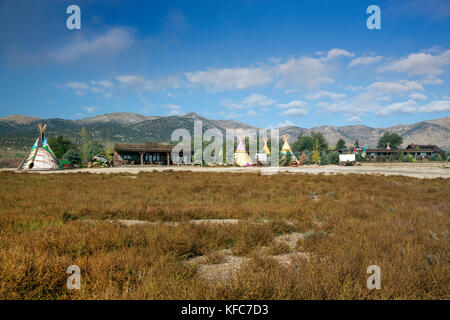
{"x": 303, "y": 159}
{"x": 324, "y": 158}
{"x": 333, "y": 157}
{"x": 72, "y": 156}
{"x": 309, "y": 155}
{"x": 434, "y": 157}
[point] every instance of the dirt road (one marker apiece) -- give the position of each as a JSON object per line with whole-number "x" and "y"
{"x": 418, "y": 170}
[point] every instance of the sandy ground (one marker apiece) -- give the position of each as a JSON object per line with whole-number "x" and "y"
{"x": 417, "y": 170}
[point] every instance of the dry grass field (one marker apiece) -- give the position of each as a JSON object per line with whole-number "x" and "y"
{"x": 293, "y": 236}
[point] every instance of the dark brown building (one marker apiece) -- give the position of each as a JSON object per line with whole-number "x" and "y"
{"x": 146, "y": 153}
{"x": 416, "y": 150}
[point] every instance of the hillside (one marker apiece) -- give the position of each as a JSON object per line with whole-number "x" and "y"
{"x": 18, "y": 131}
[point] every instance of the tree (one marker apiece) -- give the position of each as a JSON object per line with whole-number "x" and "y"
{"x": 356, "y": 143}
{"x": 60, "y": 145}
{"x": 394, "y": 140}
{"x": 340, "y": 144}
{"x": 303, "y": 159}
{"x": 84, "y": 145}
{"x": 303, "y": 143}
{"x": 308, "y": 142}
{"x": 309, "y": 155}
{"x": 73, "y": 156}
{"x": 333, "y": 157}
{"x": 324, "y": 158}
{"x": 317, "y": 137}
{"x": 94, "y": 148}
{"x": 316, "y": 153}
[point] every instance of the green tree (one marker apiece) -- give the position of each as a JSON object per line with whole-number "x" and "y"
{"x": 303, "y": 143}
{"x": 308, "y": 142}
{"x": 319, "y": 139}
{"x": 333, "y": 157}
{"x": 94, "y": 148}
{"x": 356, "y": 143}
{"x": 324, "y": 158}
{"x": 340, "y": 144}
{"x": 434, "y": 157}
{"x": 73, "y": 156}
{"x": 60, "y": 145}
{"x": 84, "y": 145}
{"x": 394, "y": 140}
{"x": 309, "y": 155}
{"x": 316, "y": 153}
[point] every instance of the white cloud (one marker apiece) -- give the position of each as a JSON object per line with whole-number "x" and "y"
{"x": 175, "y": 110}
{"x": 258, "y": 100}
{"x": 354, "y": 119}
{"x": 293, "y": 108}
{"x": 77, "y": 85}
{"x": 325, "y": 94}
{"x": 365, "y": 61}
{"x": 384, "y": 98}
{"x": 292, "y": 104}
{"x": 102, "y": 83}
{"x": 391, "y": 87}
{"x": 409, "y": 106}
{"x": 420, "y": 64}
{"x": 418, "y": 96}
{"x": 141, "y": 84}
{"x": 436, "y": 106}
{"x": 252, "y": 113}
{"x": 109, "y": 44}
{"x": 304, "y": 71}
{"x": 90, "y": 109}
{"x": 286, "y": 123}
{"x": 233, "y": 115}
{"x": 336, "y": 53}
{"x": 291, "y": 91}
{"x": 231, "y": 78}
{"x": 229, "y": 104}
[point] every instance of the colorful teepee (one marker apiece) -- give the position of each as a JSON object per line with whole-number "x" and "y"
{"x": 266, "y": 148}
{"x": 286, "y": 150}
{"x": 241, "y": 157}
{"x": 41, "y": 156}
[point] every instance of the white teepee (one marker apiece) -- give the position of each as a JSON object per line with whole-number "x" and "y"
{"x": 241, "y": 157}
{"x": 286, "y": 150}
{"x": 41, "y": 156}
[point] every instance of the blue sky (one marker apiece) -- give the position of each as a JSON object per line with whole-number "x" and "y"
{"x": 266, "y": 63}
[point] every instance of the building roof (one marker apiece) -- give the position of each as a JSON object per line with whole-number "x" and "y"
{"x": 423, "y": 147}
{"x": 143, "y": 147}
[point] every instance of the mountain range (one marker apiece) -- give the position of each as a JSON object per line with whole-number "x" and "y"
{"x": 18, "y": 131}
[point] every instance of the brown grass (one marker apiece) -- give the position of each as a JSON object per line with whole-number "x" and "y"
{"x": 48, "y": 222}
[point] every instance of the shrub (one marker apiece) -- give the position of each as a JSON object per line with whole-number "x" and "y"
{"x": 324, "y": 158}
{"x": 434, "y": 157}
{"x": 309, "y": 155}
{"x": 333, "y": 157}
{"x": 303, "y": 159}
{"x": 73, "y": 156}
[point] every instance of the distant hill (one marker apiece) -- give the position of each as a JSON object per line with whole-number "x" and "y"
{"x": 18, "y": 131}
{"x": 426, "y": 132}
{"x": 19, "y": 118}
{"x": 119, "y": 117}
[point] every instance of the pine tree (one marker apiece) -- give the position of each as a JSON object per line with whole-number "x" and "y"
{"x": 316, "y": 153}
{"x": 84, "y": 145}
{"x": 324, "y": 158}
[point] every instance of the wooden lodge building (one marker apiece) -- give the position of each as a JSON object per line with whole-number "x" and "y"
{"x": 144, "y": 154}
{"x": 417, "y": 151}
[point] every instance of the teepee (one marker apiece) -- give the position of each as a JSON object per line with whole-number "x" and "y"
{"x": 41, "y": 156}
{"x": 266, "y": 148}
{"x": 286, "y": 150}
{"x": 241, "y": 157}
